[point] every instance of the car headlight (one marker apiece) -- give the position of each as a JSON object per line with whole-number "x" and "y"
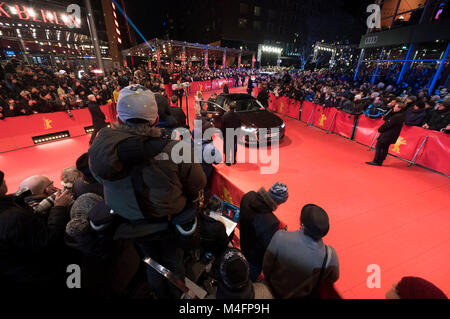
{"x": 282, "y": 125}
{"x": 248, "y": 129}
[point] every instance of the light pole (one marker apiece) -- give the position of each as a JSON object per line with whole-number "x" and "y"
{"x": 94, "y": 35}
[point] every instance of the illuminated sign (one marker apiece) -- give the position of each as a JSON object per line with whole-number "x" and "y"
{"x": 10, "y": 52}
{"x": 371, "y": 40}
{"x": 271, "y": 49}
{"x": 38, "y": 15}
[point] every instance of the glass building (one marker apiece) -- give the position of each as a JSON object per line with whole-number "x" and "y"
{"x": 411, "y": 46}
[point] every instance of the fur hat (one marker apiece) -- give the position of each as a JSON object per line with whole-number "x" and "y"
{"x": 83, "y": 205}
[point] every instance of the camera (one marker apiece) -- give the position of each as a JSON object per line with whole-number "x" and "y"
{"x": 20, "y": 196}
{"x": 45, "y": 204}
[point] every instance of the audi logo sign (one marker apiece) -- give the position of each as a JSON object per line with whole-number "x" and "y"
{"x": 371, "y": 40}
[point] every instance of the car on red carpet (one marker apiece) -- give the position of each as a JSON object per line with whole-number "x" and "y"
{"x": 258, "y": 124}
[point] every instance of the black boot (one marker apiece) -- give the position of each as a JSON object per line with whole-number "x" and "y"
{"x": 373, "y": 163}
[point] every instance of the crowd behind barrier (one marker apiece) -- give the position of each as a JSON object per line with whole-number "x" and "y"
{"x": 30, "y": 89}
{"x": 121, "y": 217}
{"x": 428, "y": 148}
{"x": 18, "y": 132}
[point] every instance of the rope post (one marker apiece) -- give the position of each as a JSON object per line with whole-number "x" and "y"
{"x": 413, "y": 161}
{"x": 370, "y": 147}
{"x": 310, "y": 117}
{"x": 331, "y": 124}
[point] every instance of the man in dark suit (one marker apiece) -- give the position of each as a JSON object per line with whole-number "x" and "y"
{"x": 263, "y": 96}
{"x": 389, "y": 132}
{"x": 98, "y": 118}
{"x": 249, "y": 86}
{"x": 230, "y": 120}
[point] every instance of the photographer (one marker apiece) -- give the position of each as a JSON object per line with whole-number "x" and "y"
{"x": 178, "y": 92}
{"x": 152, "y": 193}
{"x": 30, "y": 259}
{"x": 98, "y": 118}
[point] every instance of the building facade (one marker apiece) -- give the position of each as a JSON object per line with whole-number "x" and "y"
{"x": 411, "y": 48}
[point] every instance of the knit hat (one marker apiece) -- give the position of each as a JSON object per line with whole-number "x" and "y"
{"x": 234, "y": 269}
{"x": 77, "y": 227}
{"x": 279, "y": 193}
{"x": 137, "y": 102}
{"x": 82, "y": 206}
{"x": 314, "y": 221}
{"x": 418, "y": 288}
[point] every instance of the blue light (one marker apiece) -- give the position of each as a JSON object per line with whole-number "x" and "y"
{"x": 132, "y": 24}
{"x": 8, "y": 52}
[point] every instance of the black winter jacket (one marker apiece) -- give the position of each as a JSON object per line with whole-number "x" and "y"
{"x": 257, "y": 225}
{"x": 98, "y": 118}
{"x": 390, "y": 130}
{"x": 29, "y": 243}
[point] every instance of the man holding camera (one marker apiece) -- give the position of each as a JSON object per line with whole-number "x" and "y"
{"x": 389, "y": 132}
{"x": 98, "y": 118}
{"x": 30, "y": 259}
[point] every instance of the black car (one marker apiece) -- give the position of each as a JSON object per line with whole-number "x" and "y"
{"x": 259, "y": 126}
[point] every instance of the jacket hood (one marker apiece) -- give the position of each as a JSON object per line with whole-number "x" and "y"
{"x": 267, "y": 200}
{"x": 103, "y": 158}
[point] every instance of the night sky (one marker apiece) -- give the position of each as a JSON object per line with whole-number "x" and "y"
{"x": 149, "y": 16}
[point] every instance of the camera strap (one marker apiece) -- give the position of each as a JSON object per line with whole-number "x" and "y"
{"x": 190, "y": 289}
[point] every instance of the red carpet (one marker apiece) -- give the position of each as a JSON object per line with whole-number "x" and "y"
{"x": 394, "y": 216}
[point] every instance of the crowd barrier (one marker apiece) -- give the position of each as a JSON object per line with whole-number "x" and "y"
{"x": 206, "y": 86}
{"x": 416, "y": 145}
{"x": 18, "y": 132}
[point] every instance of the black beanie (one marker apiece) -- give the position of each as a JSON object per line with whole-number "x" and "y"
{"x": 234, "y": 269}
{"x": 315, "y": 221}
{"x": 83, "y": 165}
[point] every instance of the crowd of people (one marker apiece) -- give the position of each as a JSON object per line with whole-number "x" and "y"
{"x": 30, "y": 89}
{"x": 127, "y": 199}
{"x": 334, "y": 89}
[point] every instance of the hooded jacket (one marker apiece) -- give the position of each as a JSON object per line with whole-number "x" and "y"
{"x": 390, "y": 130}
{"x": 257, "y": 225}
{"x": 144, "y": 191}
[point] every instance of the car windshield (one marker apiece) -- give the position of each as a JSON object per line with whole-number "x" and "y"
{"x": 248, "y": 105}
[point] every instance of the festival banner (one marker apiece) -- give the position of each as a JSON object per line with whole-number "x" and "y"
{"x": 18, "y": 132}
{"x": 343, "y": 124}
{"x": 324, "y": 117}
{"x": 215, "y": 84}
{"x": 367, "y": 130}
{"x": 289, "y": 107}
{"x": 200, "y": 86}
{"x": 409, "y": 141}
{"x": 273, "y": 102}
{"x": 436, "y": 152}
{"x": 231, "y": 193}
{"x": 307, "y": 110}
